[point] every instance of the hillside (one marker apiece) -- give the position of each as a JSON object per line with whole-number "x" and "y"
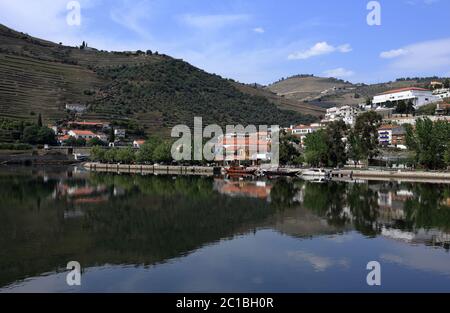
{"x": 304, "y": 87}
{"x": 327, "y": 92}
{"x": 147, "y": 92}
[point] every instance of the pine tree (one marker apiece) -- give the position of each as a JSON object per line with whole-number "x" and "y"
{"x": 39, "y": 122}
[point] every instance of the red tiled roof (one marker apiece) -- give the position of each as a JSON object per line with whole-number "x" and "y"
{"x": 404, "y": 89}
{"x": 83, "y": 132}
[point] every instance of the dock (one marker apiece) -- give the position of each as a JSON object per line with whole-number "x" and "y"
{"x": 152, "y": 169}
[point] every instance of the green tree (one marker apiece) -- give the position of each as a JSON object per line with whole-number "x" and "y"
{"x": 366, "y": 131}
{"x": 71, "y": 142}
{"x": 316, "y": 148}
{"x": 355, "y": 151}
{"x": 111, "y": 155}
{"x": 80, "y": 142}
{"x": 146, "y": 152}
{"x": 335, "y": 134}
{"x": 447, "y": 83}
{"x": 98, "y": 154}
{"x": 125, "y": 155}
{"x": 112, "y": 135}
{"x": 430, "y": 142}
{"x": 39, "y": 121}
{"x": 162, "y": 152}
{"x": 447, "y": 155}
{"x": 288, "y": 152}
{"x": 38, "y": 135}
{"x": 96, "y": 142}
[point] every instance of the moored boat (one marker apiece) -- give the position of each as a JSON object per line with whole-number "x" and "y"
{"x": 240, "y": 170}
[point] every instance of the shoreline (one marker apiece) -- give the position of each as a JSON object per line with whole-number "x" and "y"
{"x": 340, "y": 175}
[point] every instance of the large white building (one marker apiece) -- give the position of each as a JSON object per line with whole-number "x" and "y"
{"x": 346, "y": 113}
{"x": 418, "y": 96}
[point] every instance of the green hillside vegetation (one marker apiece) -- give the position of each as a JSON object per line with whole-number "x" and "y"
{"x": 180, "y": 92}
{"x": 145, "y": 92}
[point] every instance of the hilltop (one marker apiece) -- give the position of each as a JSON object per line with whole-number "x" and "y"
{"x": 326, "y": 92}
{"x": 145, "y": 91}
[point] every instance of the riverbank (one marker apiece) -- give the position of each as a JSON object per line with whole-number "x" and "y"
{"x": 407, "y": 176}
{"x": 339, "y": 175}
{"x": 153, "y": 169}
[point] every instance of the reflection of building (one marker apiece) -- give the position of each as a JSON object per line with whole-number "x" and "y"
{"x": 252, "y": 189}
{"x": 432, "y": 237}
{"x": 82, "y": 194}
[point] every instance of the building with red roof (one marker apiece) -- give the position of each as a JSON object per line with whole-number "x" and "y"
{"x": 418, "y": 96}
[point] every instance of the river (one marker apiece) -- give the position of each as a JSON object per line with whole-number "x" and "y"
{"x": 133, "y": 233}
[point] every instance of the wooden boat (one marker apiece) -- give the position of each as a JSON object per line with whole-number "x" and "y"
{"x": 240, "y": 170}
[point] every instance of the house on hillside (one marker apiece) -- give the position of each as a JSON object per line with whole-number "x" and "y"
{"x": 236, "y": 147}
{"x": 302, "y": 131}
{"x": 418, "y": 96}
{"x": 83, "y": 134}
{"x": 392, "y": 136}
{"x": 137, "y": 144}
{"x": 76, "y": 107}
{"x": 347, "y": 114}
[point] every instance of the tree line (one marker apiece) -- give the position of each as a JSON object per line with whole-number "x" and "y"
{"x": 155, "y": 150}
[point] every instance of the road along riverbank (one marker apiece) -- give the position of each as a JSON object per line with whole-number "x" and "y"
{"x": 153, "y": 169}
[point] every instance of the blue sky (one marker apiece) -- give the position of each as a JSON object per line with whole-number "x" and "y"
{"x": 258, "y": 40}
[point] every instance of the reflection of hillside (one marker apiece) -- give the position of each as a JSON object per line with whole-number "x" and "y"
{"x": 149, "y": 220}
{"x": 300, "y": 222}
{"x": 160, "y": 219}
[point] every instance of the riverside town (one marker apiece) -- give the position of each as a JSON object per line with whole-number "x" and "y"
{"x": 228, "y": 155}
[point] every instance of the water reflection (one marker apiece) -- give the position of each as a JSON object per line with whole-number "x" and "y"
{"x": 49, "y": 217}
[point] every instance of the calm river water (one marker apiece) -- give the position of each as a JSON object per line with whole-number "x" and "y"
{"x": 194, "y": 234}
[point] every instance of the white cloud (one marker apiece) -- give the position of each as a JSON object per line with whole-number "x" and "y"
{"x": 320, "y": 48}
{"x": 422, "y": 57}
{"x": 319, "y": 263}
{"x": 393, "y": 53}
{"x": 339, "y": 73}
{"x": 213, "y": 21}
{"x": 259, "y": 30}
{"x": 132, "y": 16}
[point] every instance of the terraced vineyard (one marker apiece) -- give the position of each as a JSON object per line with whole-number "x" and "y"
{"x": 29, "y": 86}
{"x": 146, "y": 92}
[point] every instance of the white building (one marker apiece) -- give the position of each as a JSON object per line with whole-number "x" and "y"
{"x": 304, "y": 130}
{"x": 346, "y": 113}
{"x": 137, "y": 144}
{"x": 84, "y": 134}
{"x": 411, "y": 120}
{"x": 120, "y": 133}
{"x": 75, "y": 107}
{"x": 442, "y": 93}
{"x": 418, "y": 96}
